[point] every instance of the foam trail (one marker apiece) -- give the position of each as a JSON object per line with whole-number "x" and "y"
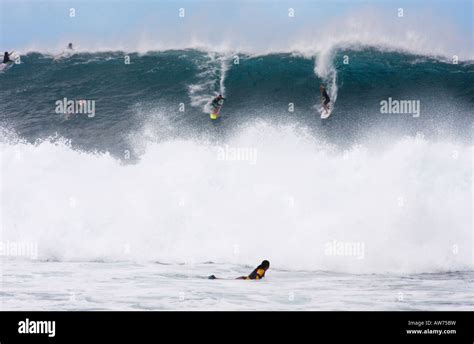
{"x": 325, "y": 70}
{"x": 223, "y": 71}
{"x": 212, "y": 80}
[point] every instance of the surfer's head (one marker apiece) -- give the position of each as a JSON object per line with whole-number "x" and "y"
{"x": 265, "y": 264}
{"x": 321, "y": 87}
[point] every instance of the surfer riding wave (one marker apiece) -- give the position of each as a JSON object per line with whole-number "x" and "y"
{"x": 325, "y": 98}
{"x": 216, "y": 105}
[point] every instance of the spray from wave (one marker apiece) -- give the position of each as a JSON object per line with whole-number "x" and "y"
{"x": 211, "y": 80}
{"x": 186, "y": 201}
{"x": 418, "y": 32}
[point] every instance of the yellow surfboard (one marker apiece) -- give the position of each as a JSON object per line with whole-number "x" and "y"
{"x": 215, "y": 114}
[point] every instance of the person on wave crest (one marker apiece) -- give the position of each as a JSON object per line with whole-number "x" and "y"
{"x": 325, "y": 98}
{"x": 256, "y": 274}
{"x": 6, "y": 57}
{"x": 65, "y": 53}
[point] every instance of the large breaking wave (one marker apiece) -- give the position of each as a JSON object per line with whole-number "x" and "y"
{"x": 264, "y": 182}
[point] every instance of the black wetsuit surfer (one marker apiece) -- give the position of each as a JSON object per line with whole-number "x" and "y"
{"x": 256, "y": 274}
{"x": 217, "y": 102}
{"x": 6, "y": 57}
{"x": 325, "y": 96}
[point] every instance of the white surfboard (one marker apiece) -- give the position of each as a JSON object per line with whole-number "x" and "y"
{"x": 325, "y": 114}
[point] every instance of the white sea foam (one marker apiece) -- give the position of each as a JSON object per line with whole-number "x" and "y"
{"x": 410, "y": 204}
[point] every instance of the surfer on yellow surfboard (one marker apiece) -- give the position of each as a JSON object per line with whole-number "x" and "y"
{"x": 216, "y": 105}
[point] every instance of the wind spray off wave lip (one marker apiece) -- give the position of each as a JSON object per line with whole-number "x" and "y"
{"x": 418, "y": 31}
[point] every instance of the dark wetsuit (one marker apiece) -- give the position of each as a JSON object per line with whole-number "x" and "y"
{"x": 6, "y": 58}
{"x": 326, "y": 97}
{"x": 217, "y": 102}
{"x": 256, "y": 274}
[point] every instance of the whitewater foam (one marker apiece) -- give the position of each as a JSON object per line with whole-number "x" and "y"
{"x": 410, "y": 204}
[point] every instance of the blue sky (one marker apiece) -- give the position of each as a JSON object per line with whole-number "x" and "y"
{"x": 47, "y": 23}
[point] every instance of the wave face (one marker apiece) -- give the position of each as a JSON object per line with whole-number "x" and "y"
{"x": 263, "y": 181}
{"x": 129, "y": 97}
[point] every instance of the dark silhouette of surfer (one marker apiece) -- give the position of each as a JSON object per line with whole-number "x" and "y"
{"x": 325, "y": 97}
{"x": 6, "y": 57}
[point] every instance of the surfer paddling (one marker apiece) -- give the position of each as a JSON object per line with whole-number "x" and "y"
{"x": 325, "y": 98}
{"x": 257, "y": 274}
